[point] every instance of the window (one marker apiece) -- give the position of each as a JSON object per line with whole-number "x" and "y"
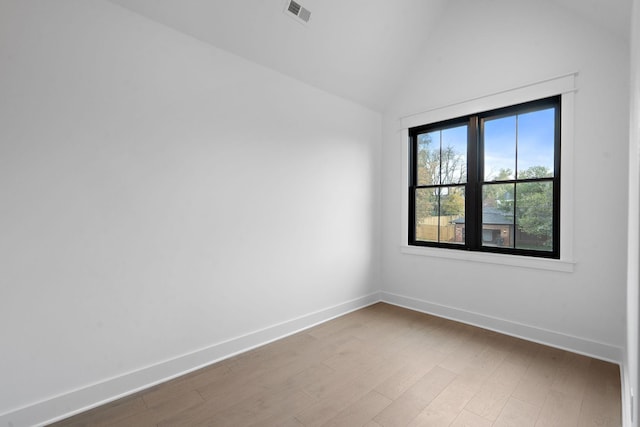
{"x": 488, "y": 182}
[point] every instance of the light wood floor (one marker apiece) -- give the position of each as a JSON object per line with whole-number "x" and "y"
{"x": 382, "y": 366}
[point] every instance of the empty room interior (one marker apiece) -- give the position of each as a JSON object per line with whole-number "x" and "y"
{"x": 226, "y": 212}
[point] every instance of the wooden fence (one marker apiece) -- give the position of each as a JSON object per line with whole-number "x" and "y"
{"x": 427, "y": 229}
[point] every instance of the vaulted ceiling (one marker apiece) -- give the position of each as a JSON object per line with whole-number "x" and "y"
{"x": 357, "y": 49}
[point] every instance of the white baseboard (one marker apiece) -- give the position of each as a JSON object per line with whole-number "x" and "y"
{"x": 67, "y": 404}
{"x": 559, "y": 340}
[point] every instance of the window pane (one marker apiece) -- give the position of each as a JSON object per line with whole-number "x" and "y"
{"x": 452, "y": 223}
{"x": 500, "y": 148}
{"x": 497, "y": 215}
{"x": 509, "y": 169}
{"x": 453, "y": 158}
{"x": 427, "y": 214}
{"x": 535, "y": 144}
{"x": 534, "y": 215}
{"x": 428, "y": 158}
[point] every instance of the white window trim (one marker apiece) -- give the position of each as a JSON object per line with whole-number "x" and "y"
{"x": 562, "y": 85}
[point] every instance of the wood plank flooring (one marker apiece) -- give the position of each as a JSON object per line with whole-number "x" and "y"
{"x": 382, "y": 366}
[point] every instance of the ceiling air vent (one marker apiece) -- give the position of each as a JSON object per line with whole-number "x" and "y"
{"x": 296, "y": 11}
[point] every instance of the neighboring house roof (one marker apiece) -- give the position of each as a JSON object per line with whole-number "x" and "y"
{"x": 490, "y": 216}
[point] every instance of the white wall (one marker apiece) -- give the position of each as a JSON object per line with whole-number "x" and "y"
{"x": 483, "y": 47}
{"x": 633, "y": 319}
{"x": 160, "y": 196}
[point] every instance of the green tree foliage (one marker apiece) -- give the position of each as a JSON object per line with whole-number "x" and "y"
{"x": 453, "y": 203}
{"x": 533, "y": 202}
{"x": 500, "y": 196}
{"x": 535, "y": 172}
{"x": 436, "y": 165}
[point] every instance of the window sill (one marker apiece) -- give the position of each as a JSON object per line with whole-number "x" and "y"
{"x": 491, "y": 258}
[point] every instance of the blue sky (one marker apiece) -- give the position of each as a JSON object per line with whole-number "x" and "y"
{"x": 457, "y": 138}
{"x": 533, "y": 134}
{"x": 534, "y": 141}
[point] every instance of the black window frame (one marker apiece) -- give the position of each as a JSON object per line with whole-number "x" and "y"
{"x": 475, "y": 178}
